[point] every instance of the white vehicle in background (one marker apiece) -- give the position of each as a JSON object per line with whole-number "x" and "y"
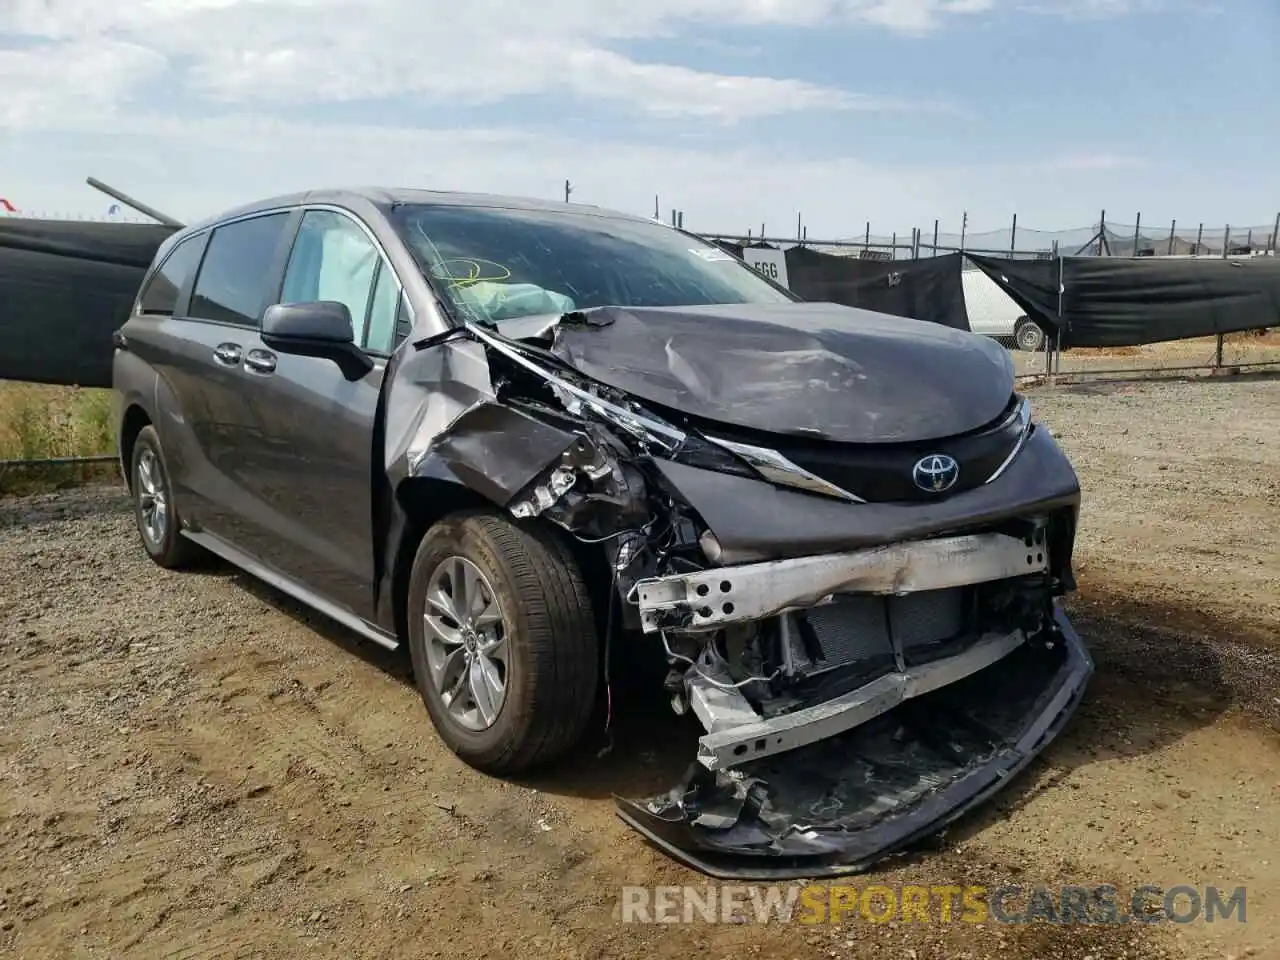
{"x": 993, "y": 314}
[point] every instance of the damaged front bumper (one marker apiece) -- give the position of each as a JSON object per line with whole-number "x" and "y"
{"x": 840, "y": 803}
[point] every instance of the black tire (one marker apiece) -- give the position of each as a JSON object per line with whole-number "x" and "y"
{"x": 170, "y": 549}
{"x": 1028, "y": 336}
{"x": 552, "y": 651}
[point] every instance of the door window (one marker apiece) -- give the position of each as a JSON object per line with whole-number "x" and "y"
{"x": 233, "y": 282}
{"x": 383, "y": 312}
{"x": 161, "y": 294}
{"x": 333, "y": 259}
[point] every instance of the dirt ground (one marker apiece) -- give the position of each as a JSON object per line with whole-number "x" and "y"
{"x": 192, "y": 767}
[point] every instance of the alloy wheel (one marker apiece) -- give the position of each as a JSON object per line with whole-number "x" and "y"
{"x": 466, "y": 643}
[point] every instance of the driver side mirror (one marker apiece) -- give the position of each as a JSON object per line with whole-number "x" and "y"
{"x": 320, "y": 329}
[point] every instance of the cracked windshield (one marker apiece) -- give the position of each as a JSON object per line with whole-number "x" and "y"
{"x": 497, "y": 263}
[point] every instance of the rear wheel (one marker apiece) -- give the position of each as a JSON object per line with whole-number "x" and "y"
{"x": 503, "y": 641}
{"x": 1028, "y": 336}
{"x": 153, "y": 505}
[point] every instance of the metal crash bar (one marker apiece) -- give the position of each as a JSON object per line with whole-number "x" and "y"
{"x": 736, "y": 745}
{"x": 709, "y": 599}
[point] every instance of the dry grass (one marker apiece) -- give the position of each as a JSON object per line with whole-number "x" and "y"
{"x": 38, "y": 422}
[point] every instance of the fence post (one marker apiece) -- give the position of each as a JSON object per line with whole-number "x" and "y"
{"x": 1057, "y": 352}
{"x": 1172, "y": 227}
{"x": 1137, "y": 228}
{"x": 1217, "y": 352}
{"x": 935, "y": 235}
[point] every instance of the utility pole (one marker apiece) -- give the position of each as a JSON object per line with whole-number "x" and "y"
{"x": 568, "y": 189}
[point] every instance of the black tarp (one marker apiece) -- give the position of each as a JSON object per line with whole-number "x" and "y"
{"x": 1031, "y": 284}
{"x": 64, "y": 287}
{"x": 1113, "y": 302}
{"x": 924, "y": 289}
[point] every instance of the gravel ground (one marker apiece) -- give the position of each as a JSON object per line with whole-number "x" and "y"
{"x": 193, "y": 767}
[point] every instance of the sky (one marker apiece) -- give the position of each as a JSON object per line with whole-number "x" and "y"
{"x": 737, "y": 112}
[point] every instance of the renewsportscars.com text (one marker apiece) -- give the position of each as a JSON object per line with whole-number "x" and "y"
{"x": 875, "y": 903}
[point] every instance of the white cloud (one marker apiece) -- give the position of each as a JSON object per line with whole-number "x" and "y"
{"x": 79, "y": 83}
{"x": 192, "y": 169}
{"x": 272, "y": 53}
{"x": 94, "y": 76}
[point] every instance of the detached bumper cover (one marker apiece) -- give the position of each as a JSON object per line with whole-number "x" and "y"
{"x": 839, "y": 805}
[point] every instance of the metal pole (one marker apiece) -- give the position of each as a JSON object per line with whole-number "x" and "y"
{"x": 1172, "y": 227}
{"x": 866, "y": 243}
{"x": 1058, "y": 338}
{"x": 1199, "y": 238}
{"x": 656, "y": 214}
{"x": 1102, "y": 230}
{"x": 1275, "y": 235}
{"x": 915, "y": 244}
{"x": 964, "y": 226}
{"x": 128, "y": 201}
{"x": 799, "y": 228}
{"x": 1013, "y": 237}
{"x": 1226, "y": 241}
{"x": 1137, "y": 226}
{"x": 935, "y": 235}
{"x": 567, "y": 190}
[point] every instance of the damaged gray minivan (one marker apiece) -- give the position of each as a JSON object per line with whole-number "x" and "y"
{"x": 520, "y": 437}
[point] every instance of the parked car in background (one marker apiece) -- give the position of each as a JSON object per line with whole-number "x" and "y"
{"x": 526, "y": 439}
{"x": 993, "y": 314}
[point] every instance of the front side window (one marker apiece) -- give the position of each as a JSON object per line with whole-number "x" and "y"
{"x": 232, "y": 286}
{"x": 160, "y": 297}
{"x": 333, "y": 259}
{"x": 496, "y": 263}
{"x": 383, "y": 309}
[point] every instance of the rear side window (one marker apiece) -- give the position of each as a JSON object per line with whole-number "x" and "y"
{"x": 233, "y": 281}
{"x": 161, "y": 294}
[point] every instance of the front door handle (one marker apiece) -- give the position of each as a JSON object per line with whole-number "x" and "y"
{"x": 228, "y": 354}
{"x": 260, "y": 361}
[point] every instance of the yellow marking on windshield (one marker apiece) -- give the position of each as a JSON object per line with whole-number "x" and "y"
{"x": 475, "y": 272}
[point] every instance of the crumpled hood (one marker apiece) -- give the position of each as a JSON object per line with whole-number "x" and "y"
{"x": 810, "y": 369}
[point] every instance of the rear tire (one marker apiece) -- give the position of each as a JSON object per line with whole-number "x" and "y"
{"x": 154, "y": 509}
{"x": 505, "y": 655}
{"x": 1028, "y": 336}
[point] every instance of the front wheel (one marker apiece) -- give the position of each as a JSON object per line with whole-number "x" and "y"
{"x": 503, "y": 641}
{"x": 153, "y": 505}
{"x": 1028, "y": 336}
